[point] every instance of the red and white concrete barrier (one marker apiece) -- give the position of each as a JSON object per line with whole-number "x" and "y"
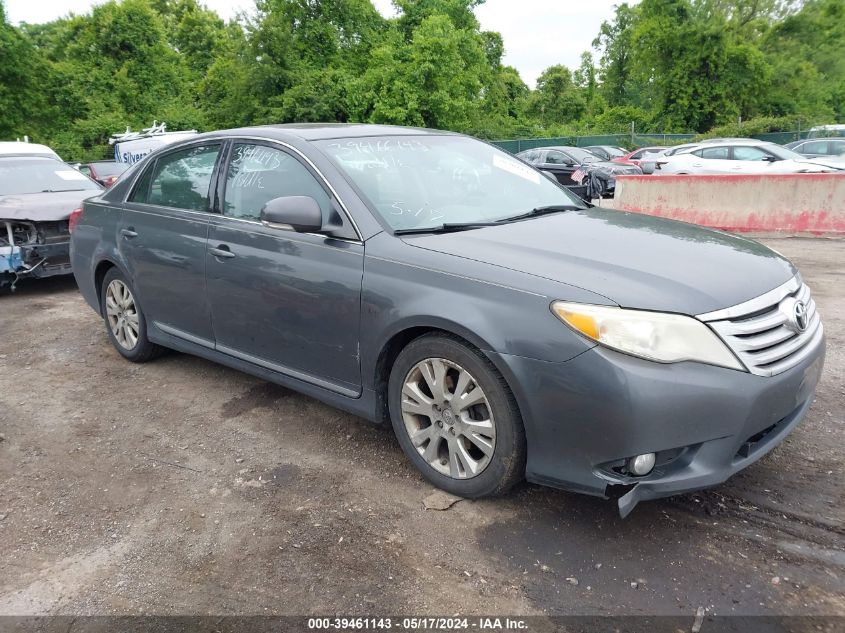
{"x": 795, "y": 204}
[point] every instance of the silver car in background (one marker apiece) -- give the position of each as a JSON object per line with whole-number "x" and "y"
{"x": 737, "y": 157}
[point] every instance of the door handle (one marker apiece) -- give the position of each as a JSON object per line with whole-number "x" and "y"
{"x": 128, "y": 233}
{"x": 222, "y": 251}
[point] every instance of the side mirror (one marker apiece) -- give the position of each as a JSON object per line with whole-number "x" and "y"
{"x": 771, "y": 159}
{"x": 293, "y": 213}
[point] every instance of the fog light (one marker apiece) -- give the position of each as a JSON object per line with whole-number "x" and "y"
{"x": 641, "y": 464}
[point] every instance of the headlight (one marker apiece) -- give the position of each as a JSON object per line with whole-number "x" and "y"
{"x": 658, "y": 336}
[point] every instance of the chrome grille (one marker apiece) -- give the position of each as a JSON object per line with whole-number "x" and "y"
{"x": 764, "y": 333}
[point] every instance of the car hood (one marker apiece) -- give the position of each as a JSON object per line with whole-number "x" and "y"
{"x": 636, "y": 261}
{"x": 42, "y": 207}
{"x": 798, "y": 166}
{"x": 830, "y": 162}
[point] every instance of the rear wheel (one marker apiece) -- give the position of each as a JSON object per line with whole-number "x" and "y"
{"x": 6, "y": 282}
{"x": 125, "y": 323}
{"x": 456, "y": 418}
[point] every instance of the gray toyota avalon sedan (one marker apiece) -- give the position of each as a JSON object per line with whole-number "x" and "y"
{"x": 428, "y": 280}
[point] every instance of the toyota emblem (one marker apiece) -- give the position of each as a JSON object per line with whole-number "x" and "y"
{"x": 799, "y": 316}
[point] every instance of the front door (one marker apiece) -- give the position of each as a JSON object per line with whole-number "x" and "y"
{"x": 286, "y": 301}
{"x": 560, "y": 166}
{"x": 162, "y": 236}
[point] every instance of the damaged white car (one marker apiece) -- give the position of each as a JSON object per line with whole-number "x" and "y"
{"x": 37, "y": 197}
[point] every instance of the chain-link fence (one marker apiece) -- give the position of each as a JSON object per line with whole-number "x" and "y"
{"x": 631, "y": 141}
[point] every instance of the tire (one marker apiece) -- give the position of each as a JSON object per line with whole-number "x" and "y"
{"x": 454, "y": 447}
{"x": 120, "y": 309}
{"x": 6, "y": 281}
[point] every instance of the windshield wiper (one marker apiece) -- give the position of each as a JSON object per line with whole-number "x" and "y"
{"x": 452, "y": 227}
{"x": 546, "y": 210}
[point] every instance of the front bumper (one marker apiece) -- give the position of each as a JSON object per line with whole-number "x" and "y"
{"x": 584, "y": 417}
{"x": 38, "y": 259}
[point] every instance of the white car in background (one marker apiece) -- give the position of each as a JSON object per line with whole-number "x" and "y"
{"x": 25, "y": 148}
{"x": 737, "y": 157}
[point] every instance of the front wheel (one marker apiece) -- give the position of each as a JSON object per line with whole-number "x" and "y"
{"x": 456, "y": 418}
{"x": 125, "y": 323}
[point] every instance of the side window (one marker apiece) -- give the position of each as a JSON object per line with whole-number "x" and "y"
{"x": 142, "y": 188}
{"x": 713, "y": 153}
{"x": 638, "y": 154}
{"x": 180, "y": 179}
{"x": 836, "y": 148}
{"x": 557, "y": 158}
{"x": 750, "y": 153}
{"x": 257, "y": 174}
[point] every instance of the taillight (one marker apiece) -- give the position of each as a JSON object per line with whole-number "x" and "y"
{"x": 73, "y": 219}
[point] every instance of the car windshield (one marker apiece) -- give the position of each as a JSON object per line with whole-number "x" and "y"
{"x": 36, "y": 175}
{"x": 581, "y": 155}
{"x": 109, "y": 168}
{"x": 417, "y": 182}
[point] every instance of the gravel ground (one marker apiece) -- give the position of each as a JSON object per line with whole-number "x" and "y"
{"x": 183, "y": 487}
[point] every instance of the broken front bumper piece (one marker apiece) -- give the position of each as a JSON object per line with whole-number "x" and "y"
{"x": 33, "y": 249}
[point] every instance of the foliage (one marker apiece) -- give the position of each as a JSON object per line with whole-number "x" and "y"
{"x": 755, "y": 127}
{"x": 661, "y": 65}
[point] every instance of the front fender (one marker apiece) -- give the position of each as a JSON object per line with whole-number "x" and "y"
{"x": 494, "y": 315}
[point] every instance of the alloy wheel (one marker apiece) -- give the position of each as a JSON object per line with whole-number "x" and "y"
{"x": 122, "y": 314}
{"x": 448, "y": 418}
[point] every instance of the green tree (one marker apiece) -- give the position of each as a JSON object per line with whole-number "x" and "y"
{"x": 615, "y": 40}
{"x": 557, "y": 99}
{"x": 665, "y": 65}
{"x": 808, "y": 53}
{"x": 433, "y": 81}
{"x": 23, "y": 110}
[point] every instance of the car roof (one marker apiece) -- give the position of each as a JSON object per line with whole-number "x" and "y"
{"x": 737, "y": 142}
{"x": 18, "y": 148}
{"x": 566, "y": 148}
{"x": 707, "y": 141}
{"x": 31, "y": 157}
{"x": 325, "y": 131}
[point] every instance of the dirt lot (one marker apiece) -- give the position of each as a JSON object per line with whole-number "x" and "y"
{"x": 182, "y": 487}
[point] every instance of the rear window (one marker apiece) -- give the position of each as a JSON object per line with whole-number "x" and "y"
{"x": 180, "y": 179}
{"x": 39, "y": 175}
{"x": 713, "y": 153}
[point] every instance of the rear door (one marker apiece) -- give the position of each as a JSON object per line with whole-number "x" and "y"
{"x": 286, "y": 301}
{"x": 162, "y": 237}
